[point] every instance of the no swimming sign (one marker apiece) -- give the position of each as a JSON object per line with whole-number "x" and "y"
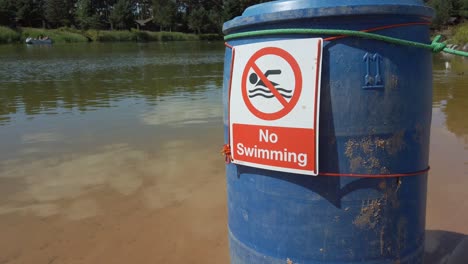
{"x": 274, "y": 105}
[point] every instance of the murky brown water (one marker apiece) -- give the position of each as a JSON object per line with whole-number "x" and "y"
{"x": 109, "y": 153}
{"x": 447, "y": 203}
{"x": 448, "y": 185}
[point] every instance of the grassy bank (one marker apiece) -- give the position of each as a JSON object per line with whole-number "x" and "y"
{"x": 136, "y": 35}
{"x": 7, "y": 35}
{"x": 68, "y": 35}
{"x": 460, "y": 34}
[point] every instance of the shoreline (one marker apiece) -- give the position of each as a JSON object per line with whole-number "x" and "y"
{"x": 454, "y": 35}
{"x": 70, "y": 35}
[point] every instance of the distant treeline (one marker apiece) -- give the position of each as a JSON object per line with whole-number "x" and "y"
{"x": 449, "y": 11}
{"x": 199, "y": 16}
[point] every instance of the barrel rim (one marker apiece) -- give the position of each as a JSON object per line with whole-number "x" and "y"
{"x": 252, "y": 19}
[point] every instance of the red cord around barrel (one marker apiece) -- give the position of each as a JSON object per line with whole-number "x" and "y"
{"x": 379, "y": 28}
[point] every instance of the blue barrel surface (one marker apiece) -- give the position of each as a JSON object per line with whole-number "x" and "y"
{"x": 375, "y": 122}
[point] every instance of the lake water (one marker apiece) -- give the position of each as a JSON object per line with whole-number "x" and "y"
{"x": 110, "y": 153}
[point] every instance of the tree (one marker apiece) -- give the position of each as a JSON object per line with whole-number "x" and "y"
{"x": 215, "y": 21}
{"x": 184, "y": 15}
{"x": 7, "y": 12}
{"x": 443, "y": 9}
{"x": 197, "y": 19}
{"x": 86, "y": 15}
{"x": 231, "y": 9}
{"x": 121, "y": 16}
{"x": 103, "y": 8}
{"x": 463, "y": 8}
{"x": 29, "y": 12}
{"x": 164, "y": 12}
{"x": 144, "y": 9}
{"x": 58, "y": 12}
{"x": 447, "y": 8}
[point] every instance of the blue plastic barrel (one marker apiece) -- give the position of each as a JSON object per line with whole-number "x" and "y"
{"x": 377, "y": 126}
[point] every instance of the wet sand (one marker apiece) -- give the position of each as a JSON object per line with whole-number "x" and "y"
{"x": 118, "y": 205}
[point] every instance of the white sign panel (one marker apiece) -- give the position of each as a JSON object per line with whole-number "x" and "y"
{"x": 274, "y": 105}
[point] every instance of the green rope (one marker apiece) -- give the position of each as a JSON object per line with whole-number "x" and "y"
{"x": 435, "y": 46}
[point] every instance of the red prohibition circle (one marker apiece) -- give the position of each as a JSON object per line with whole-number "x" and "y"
{"x": 287, "y": 106}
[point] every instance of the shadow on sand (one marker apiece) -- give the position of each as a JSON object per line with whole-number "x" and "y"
{"x": 443, "y": 247}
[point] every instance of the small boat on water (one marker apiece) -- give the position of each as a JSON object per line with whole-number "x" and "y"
{"x": 33, "y": 41}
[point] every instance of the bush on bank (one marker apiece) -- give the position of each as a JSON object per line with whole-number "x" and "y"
{"x": 460, "y": 35}
{"x": 8, "y": 35}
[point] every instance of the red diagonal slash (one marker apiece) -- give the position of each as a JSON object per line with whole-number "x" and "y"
{"x": 269, "y": 85}
{"x": 251, "y": 65}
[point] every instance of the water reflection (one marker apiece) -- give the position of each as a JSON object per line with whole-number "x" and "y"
{"x": 127, "y": 119}
{"x": 451, "y": 94}
{"x": 180, "y": 111}
{"x": 449, "y": 149}
{"x": 54, "y": 80}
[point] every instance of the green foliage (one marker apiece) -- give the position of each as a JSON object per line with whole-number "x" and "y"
{"x": 231, "y": 9}
{"x": 176, "y": 36}
{"x": 141, "y": 36}
{"x": 7, "y": 12}
{"x": 461, "y": 34}
{"x": 182, "y": 15}
{"x": 448, "y": 8}
{"x": 8, "y": 35}
{"x": 215, "y": 21}
{"x": 164, "y": 13}
{"x": 116, "y": 36}
{"x": 69, "y": 35}
{"x": 57, "y": 12}
{"x": 121, "y": 16}
{"x": 464, "y": 9}
{"x": 460, "y": 8}
{"x": 91, "y": 34}
{"x": 197, "y": 19}
{"x": 442, "y": 8}
{"x": 86, "y": 15}
{"x": 29, "y": 12}
{"x": 145, "y": 9}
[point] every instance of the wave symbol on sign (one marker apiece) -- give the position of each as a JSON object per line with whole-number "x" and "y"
{"x": 260, "y": 89}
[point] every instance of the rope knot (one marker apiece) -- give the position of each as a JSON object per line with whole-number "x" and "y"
{"x": 438, "y": 46}
{"x": 226, "y": 151}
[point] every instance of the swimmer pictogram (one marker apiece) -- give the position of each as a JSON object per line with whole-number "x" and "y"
{"x": 261, "y": 89}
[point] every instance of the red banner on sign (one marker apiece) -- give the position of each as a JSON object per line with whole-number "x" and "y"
{"x": 285, "y": 147}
